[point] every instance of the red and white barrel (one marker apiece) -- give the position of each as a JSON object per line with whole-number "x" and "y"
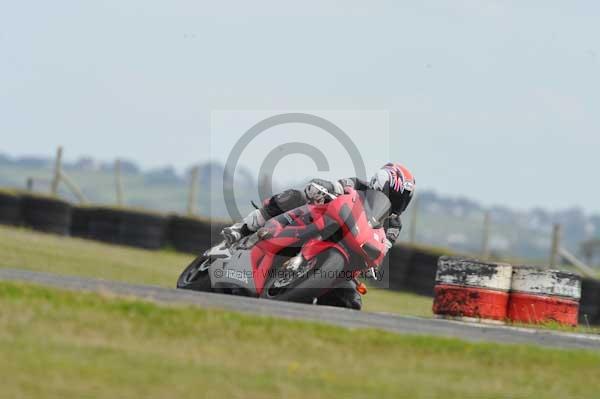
{"x": 471, "y": 290}
{"x": 541, "y": 296}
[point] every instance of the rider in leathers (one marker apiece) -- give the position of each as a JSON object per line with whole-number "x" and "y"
{"x": 395, "y": 180}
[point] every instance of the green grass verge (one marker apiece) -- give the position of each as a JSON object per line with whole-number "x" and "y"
{"x": 56, "y": 344}
{"x": 16, "y": 192}
{"x": 26, "y": 249}
{"x": 10, "y": 191}
{"x": 405, "y": 303}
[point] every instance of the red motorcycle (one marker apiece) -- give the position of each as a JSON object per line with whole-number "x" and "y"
{"x": 301, "y": 254}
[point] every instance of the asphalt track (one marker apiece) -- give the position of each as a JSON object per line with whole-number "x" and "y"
{"x": 341, "y": 317}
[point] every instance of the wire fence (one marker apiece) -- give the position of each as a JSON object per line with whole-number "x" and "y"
{"x": 488, "y": 234}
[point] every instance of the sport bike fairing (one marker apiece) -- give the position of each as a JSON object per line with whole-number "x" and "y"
{"x": 352, "y": 223}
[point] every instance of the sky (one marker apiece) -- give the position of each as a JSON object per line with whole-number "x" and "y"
{"x": 492, "y": 100}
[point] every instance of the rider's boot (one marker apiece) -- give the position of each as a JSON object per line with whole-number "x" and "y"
{"x": 251, "y": 223}
{"x": 235, "y": 232}
{"x": 345, "y": 295}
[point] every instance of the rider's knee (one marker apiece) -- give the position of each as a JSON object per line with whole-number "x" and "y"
{"x": 283, "y": 202}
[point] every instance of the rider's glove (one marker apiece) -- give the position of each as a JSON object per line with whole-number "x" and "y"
{"x": 388, "y": 244}
{"x": 392, "y": 232}
{"x": 320, "y": 191}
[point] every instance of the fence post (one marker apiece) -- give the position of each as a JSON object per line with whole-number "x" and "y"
{"x": 191, "y": 209}
{"x": 57, "y": 169}
{"x": 588, "y": 253}
{"x": 73, "y": 187}
{"x": 413, "y": 221}
{"x": 555, "y": 248}
{"x": 118, "y": 182}
{"x": 485, "y": 244}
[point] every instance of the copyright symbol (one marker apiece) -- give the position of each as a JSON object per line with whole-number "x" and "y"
{"x": 218, "y": 273}
{"x": 271, "y": 160}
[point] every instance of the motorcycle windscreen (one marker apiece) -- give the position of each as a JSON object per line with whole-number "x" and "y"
{"x": 377, "y": 207}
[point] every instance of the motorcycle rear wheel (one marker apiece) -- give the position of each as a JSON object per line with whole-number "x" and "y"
{"x": 196, "y": 276}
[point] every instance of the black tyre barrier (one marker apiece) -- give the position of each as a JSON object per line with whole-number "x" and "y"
{"x": 80, "y": 221}
{"x": 10, "y": 208}
{"x": 193, "y": 235}
{"x": 589, "y": 305}
{"x": 421, "y": 275}
{"x": 142, "y": 230}
{"x": 126, "y": 227}
{"x": 410, "y": 268}
{"x": 395, "y": 268}
{"x": 104, "y": 225}
{"x": 46, "y": 214}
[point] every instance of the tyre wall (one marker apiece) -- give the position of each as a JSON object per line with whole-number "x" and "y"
{"x": 47, "y": 214}
{"x": 10, "y": 208}
{"x": 193, "y": 235}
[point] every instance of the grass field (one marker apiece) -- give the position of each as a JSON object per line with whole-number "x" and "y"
{"x": 26, "y": 249}
{"x": 56, "y": 344}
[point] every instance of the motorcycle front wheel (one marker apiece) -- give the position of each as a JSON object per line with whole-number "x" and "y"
{"x": 196, "y": 276}
{"x": 327, "y": 273}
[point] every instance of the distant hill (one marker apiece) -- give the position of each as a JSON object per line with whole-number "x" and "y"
{"x": 161, "y": 188}
{"x": 442, "y": 220}
{"x": 458, "y": 223}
